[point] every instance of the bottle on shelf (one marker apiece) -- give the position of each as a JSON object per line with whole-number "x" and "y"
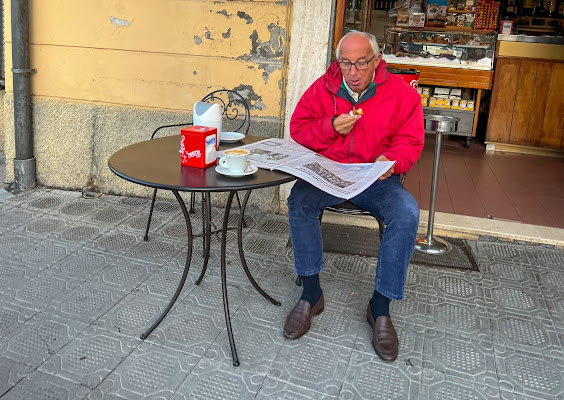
{"x": 539, "y": 10}
{"x": 552, "y": 8}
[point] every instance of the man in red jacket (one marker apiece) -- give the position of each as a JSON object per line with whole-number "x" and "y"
{"x": 386, "y": 124}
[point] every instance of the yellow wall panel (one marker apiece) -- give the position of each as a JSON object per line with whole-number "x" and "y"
{"x": 144, "y": 79}
{"x": 145, "y": 52}
{"x": 222, "y": 29}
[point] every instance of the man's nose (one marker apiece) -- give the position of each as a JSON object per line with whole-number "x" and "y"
{"x": 354, "y": 69}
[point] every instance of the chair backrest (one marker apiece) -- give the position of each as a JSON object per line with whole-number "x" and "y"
{"x": 235, "y": 109}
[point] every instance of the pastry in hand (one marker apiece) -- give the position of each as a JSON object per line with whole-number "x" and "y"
{"x": 357, "y": 111}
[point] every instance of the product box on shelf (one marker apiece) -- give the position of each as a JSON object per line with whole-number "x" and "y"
{"x": 417, "y": 19}
{"x": 455, "y": 93}
{"x": 436, "y": 13}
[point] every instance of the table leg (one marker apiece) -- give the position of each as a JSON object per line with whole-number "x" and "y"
{"x": 206, "y": 223}
{"x": 224, "y": 279}
{"x": 242, "y": 254}
{"x": 186, "y": 268}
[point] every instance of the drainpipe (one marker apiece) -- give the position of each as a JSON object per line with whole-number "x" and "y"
{"x": 331, "y": 33}
{"x": 24, "y": 163}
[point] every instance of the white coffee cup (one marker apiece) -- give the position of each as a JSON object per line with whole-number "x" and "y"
{"x": 235, "y": 160}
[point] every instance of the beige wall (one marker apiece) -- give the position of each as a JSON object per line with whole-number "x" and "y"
{"x": 110, "y": 71}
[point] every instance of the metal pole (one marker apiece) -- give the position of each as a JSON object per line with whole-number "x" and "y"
{"x": 24, "y": 163}
{"x": 429, "y": 244}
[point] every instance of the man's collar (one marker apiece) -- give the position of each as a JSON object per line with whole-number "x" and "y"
{"x": 354, "y": 94}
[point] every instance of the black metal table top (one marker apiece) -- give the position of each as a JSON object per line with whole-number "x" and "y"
{"x": 156, "y": 163}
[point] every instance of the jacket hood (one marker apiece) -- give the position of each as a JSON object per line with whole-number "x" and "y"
{"x": 333, "y": 77}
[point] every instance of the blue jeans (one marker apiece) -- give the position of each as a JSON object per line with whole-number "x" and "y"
{"x": 386, "y": 199}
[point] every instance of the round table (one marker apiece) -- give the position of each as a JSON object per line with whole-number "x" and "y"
{"x": 156, "y": 163}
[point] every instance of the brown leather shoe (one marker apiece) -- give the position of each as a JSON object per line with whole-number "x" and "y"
{"x": 299, "y": 319}
{"x": 385, "y": 338}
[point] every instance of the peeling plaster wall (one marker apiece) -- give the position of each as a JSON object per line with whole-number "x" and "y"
{"x": 110, "y": 71}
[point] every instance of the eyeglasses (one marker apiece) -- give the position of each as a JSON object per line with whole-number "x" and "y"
{"x": 346, "y": 65}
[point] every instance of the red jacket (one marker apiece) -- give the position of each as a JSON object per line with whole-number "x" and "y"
{"x": 392, "y": 124}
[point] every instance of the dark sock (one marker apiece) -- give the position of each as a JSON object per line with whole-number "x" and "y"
{"x": 380, "y": 305}
{"x": 312, "y": 289}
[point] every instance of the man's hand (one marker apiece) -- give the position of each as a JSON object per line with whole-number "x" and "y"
{"x": 389, "y": 172}
{"x": 344, "y": 123}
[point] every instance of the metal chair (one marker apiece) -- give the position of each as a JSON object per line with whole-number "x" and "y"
{"x": 235, "y": 111}
{"x": 348, "y": 208}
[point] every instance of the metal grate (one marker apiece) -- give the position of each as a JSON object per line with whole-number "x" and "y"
{"x": 365, "y": 242}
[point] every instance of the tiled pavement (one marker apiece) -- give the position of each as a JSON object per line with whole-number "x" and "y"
{"x": 78, "y": 285}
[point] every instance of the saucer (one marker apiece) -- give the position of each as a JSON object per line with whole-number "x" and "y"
{"x": 226, "y": 172}
{"x": 230, "y": 137}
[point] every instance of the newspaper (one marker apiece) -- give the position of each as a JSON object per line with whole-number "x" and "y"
{"x": 338, "y": 179}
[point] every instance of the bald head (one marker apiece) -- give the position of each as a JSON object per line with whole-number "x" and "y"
{"x": 356, "y": 36}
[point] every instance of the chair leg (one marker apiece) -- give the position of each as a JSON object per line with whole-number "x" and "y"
{"x": 192, "y": 201}
{"x": 381, "y": 227}
{"x": 146, "y": 237}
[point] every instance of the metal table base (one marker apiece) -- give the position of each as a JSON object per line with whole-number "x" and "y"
{"x": 207, "y": 232}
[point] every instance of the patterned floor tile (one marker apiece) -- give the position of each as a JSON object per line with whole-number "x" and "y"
{"x": 456, "y": 285}
{"x": 132, "y": 316}
{"x": 37, "y": 292}
{"x": 90, "y": 357}
{"x": 125, "y": 274}
{"x": 469, "y": 359}
{"x": 208, "y": 295}
{"x": 256, "y": 346}
{"x": 526, "y": 333}
{"x": 529, "y": 374}
{"x": 524, "y": 300}
{"x": 86, "y": 303}
{"x": 368, "y": 377}
{"x": 83, "y": 264}
{"x": 11, "y": 373}
{"x": 13, "y": 316}
{"x": 219, "y": 381}
{"x": 150, "y": 371}
{"x": 440, "y": 386}
{"x": 312, "y": 364}
{"x": 188, "y": 329}
{"x": 457, "y": 318}
{"x": 273, "y": 389}
{"x": 39, "y": 338}
{"x": 41, "y": 386}
{"x": 45, "y": 253}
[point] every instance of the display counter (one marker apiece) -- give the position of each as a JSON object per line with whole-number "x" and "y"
{"x": 528, "y": 94}
{"x": 447, "y": 57}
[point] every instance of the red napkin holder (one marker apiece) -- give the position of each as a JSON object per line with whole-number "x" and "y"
{"x": 198, "y": 146}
